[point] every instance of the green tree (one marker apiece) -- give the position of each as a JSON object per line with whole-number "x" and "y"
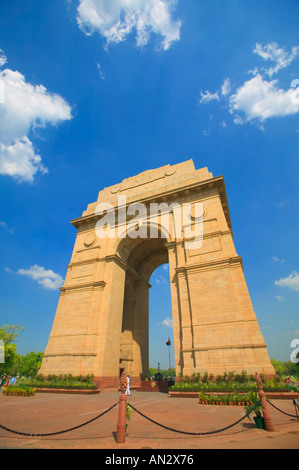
{"x": 292, "y": 368}
{"x": 285, "y": 368}
{"x": 165, "y": 373}
{"x": 9, "y": 366}
{"x": 279, "y": 367}
{"x": 9, "y": 333}
{"x": 30, "y": 364}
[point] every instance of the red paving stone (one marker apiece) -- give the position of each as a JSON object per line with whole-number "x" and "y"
{"x": 52, "y": 412}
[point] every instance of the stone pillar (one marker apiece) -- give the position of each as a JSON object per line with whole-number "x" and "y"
{"x": 109, "y": 334}
{"x": 141, "y": 332}
{"x": 187, "y": 340}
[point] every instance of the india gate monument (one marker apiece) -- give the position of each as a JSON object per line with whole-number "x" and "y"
{"x": 173, "y": 214}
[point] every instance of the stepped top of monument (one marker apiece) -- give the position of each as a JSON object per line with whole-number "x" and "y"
{"x": 151, "y": 183}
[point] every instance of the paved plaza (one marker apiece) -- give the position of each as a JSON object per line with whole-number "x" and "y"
{"x": 47, "y": 413}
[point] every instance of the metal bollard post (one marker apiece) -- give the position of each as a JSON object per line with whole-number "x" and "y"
{"x": 121, "y": 423}
{"x": 266, "y": 414}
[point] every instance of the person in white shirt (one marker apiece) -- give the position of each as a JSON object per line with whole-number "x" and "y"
{"x": 128, "y": 392}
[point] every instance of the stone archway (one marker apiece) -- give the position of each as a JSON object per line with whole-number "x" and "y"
{"x": 101, "y": 323}
{"x": 143, "y": 259}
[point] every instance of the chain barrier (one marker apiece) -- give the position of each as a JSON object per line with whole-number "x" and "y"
{"x": 149, "y": 419}
{"x": 196, "y": 433}
{"x": 288, "y": 414}
{"x": 59, "y": 432}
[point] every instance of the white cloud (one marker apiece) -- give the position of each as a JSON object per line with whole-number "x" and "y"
{"x": 225, "y": 89}
{"x": 279, "y": 297}
{"x": 24, "y": 108}
{"x": 167, "y": 322}
{"x": 20, "y": 161}
{"x": 254, "y": 71}
{"x": 46, "y": 278}
{"x": 292, "y": 281}
{"x": 207, "y": 96}
{"x": 3, "y": 58}
{"x": 116, "y": 19}
{"x": 261, "y": 99}
{"x": 276, "y": 54}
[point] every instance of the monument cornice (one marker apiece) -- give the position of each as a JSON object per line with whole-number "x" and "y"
{"x": 86, "y": 285}
{"x": 209, "y": 184}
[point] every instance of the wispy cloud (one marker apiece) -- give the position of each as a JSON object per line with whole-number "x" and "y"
{"x": 292, "y": 281}
{"x": 161, "y": 280}
{"x": 167, "y": 322}
{"x": 277, "y": 260}
{"x": 273, "y": 53}
{"x": 102, "y": 76}
{"x": 226, "y": 88}
{"x": 283, "y": 204}
{"x": 6, "y": 228}
{"x": 3, "y": 58}
{"x": 8, "y": 270}
{"x": 207, "y": 96}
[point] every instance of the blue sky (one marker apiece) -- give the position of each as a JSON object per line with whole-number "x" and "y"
{"x": 92, "y": 92}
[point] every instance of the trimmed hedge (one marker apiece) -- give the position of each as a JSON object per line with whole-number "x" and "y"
{"x": 65, "y": 386}
{"x": 239, "y": 383}
{"x": 68, "y": 382}
{"x": 230, "y": 399}
{"x": 268, "y": 387}
{"x": 18, "y": 391}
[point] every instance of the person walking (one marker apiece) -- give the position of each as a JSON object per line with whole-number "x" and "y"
{"x": 128, "y": 391}
{"x": 12, "y": 381}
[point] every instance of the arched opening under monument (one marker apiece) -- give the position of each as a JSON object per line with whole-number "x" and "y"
{"x": 161, "y": 354}
{"x": 142, "y": 256}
